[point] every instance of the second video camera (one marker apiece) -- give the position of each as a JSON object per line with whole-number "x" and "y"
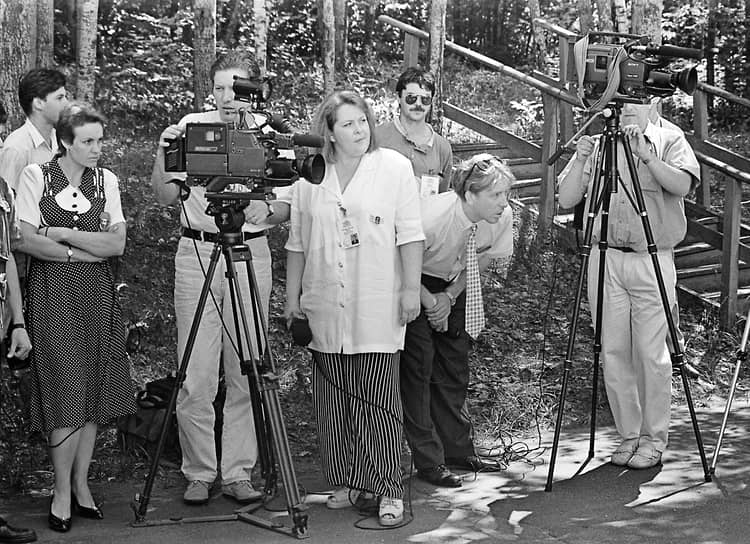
{"x": 631, "y": 71}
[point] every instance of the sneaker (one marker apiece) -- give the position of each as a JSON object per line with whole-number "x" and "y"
{"x": 241, "y": 491}
{"x": 342, "y": 498}
{"x": 391, "y": 511}
{"x": 624, "y": 452}
{"x": 196, "y": 492}
{"x": 645, "y": 457}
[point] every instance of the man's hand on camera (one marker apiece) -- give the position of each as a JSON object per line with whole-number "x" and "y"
{"x": 170, "y": 133}
{"x": 584, "y": 148}
{"x": 641, "y": 148}
{"x": 20, "y": 345}
{"x": 257, "y": 212}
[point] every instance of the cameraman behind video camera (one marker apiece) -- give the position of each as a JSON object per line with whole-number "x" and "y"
{"x": 195, "y": 413}
{"x": 635, "y": 355}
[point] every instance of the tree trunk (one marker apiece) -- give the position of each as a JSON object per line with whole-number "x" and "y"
{"x": 45, "y": 32}
{"x": 585, "y": 16}
{"x": 341, "y": 22}
{"x": 15, "y": 59}
{"x": 437, "y": 47}
{"x": 646, "y": 19}
{"x": 234, "y": 23}
{"x": 204, "y": 49}
{"x": 604, "y": 12}
{"x": 87, "y": 11}
{"x": 538, "y": 42}
{"x": 369, "y": 28}
{"x": 261, "y": 35}
{"x": 621, "y": 23}
{"x": 70, "y": 10}
{"x": 328, "y": 47}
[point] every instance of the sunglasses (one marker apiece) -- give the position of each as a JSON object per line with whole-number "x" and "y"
{"x": 411, "y": 99}
{"x": 484, "y": 165}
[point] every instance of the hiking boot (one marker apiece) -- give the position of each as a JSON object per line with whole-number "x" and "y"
{"x": 196, "y": 492}
{"x": 624, "y": 452}
{"x": 242, "y": 491}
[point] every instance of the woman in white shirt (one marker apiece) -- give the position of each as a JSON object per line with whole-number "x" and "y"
{"x": 353, "y": 270}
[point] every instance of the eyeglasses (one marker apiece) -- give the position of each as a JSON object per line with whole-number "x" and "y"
{"x": 411, "y": 99}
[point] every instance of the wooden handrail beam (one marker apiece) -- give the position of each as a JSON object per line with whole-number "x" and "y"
{"x": 722, "y": 93}
{"x": 488, "y": 62}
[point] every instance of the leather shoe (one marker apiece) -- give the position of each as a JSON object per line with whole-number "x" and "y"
{"x": 61, "y": 525}
{"x": 439, "y": 476}
{"x": 470, "y": 462}
{"x": 85, "y": 511}
{"x": 15, "y": 535}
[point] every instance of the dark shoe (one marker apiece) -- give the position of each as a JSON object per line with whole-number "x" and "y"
{"x": 57, "y": 524}
{"x": 470, "y": 462}
{"x": 439, "y": 476}
{"x": 15, "y": 535}
{"x": 85, "y": 511}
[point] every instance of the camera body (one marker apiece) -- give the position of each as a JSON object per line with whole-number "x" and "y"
{"x": 639, "y": 68}
{"x": 217, "y": 154}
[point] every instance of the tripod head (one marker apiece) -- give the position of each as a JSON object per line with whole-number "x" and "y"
{"x": 227, "y": 209}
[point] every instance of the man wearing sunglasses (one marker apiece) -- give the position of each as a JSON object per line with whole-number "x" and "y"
{"x": 411, "y": 135}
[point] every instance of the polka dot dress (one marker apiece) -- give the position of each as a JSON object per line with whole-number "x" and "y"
{"x": 81, "y": 372}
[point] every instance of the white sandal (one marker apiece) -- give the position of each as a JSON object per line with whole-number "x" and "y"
{"x": 391, "y": 511}
{"x": 342, "y": 498}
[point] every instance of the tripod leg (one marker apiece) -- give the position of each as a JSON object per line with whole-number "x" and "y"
{"x": 268, "y": 383}
{"x": 265, "y": 451}
{"x": 678, "y": 359}
{"x": 141, "y": 505}
{"x": 741, "y": 357}
{"x": 568, "y": 365}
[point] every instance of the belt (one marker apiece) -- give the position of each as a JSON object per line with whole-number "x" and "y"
{"x": 214, "y": 236}
{"x": 623, "y": 249}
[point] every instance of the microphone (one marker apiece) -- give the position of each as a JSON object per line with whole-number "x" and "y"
{"x": 670, "y": 51}
{"x": 287, "y": 141}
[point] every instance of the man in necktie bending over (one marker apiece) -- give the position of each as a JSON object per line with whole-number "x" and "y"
{"x": 465, "y": 230}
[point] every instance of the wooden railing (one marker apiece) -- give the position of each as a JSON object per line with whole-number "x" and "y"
{"x": 558, "y": 104}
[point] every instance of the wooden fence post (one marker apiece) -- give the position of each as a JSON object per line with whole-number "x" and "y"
{"x": 730, "y": 254}
{"x": 700, "y": 129}
{"x": 411, "y": 50}
{"x": 549, "y": 179}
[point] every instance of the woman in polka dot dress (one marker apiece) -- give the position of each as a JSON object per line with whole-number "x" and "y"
{"x": 72, "y": 221}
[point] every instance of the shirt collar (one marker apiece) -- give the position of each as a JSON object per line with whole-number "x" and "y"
{"x": 421, "y": 147}
{"x": 36, "y": 136}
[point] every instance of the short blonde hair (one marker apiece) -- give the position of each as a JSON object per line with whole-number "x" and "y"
{"x": 325, "y": 118}
{"x": 479, "y": 173}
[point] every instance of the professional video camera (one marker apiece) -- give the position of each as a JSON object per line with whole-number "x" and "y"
{"x": 217, "y": 155}
{"x": 632, "y": 71}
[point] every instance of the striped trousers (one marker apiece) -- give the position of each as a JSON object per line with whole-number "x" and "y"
{"x": 358, "y": 408}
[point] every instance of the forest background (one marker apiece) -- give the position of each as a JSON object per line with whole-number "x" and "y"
{"x": 135, "y": 61}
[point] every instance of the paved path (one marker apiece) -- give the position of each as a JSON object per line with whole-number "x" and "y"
{"x": 603, "y": 504}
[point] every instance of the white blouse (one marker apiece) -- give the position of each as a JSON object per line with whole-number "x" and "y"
{"x": 351, "y": 295}
{"x": 31, "y": 187}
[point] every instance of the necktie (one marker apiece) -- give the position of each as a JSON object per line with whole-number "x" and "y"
{"x": 474, "y": 306}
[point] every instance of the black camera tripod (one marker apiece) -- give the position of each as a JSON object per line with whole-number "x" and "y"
{"x": 606, "y": 168}
{"x": 262, "y": 379}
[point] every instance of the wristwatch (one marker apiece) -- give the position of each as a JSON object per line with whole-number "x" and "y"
{"x": 451, "y": 297}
